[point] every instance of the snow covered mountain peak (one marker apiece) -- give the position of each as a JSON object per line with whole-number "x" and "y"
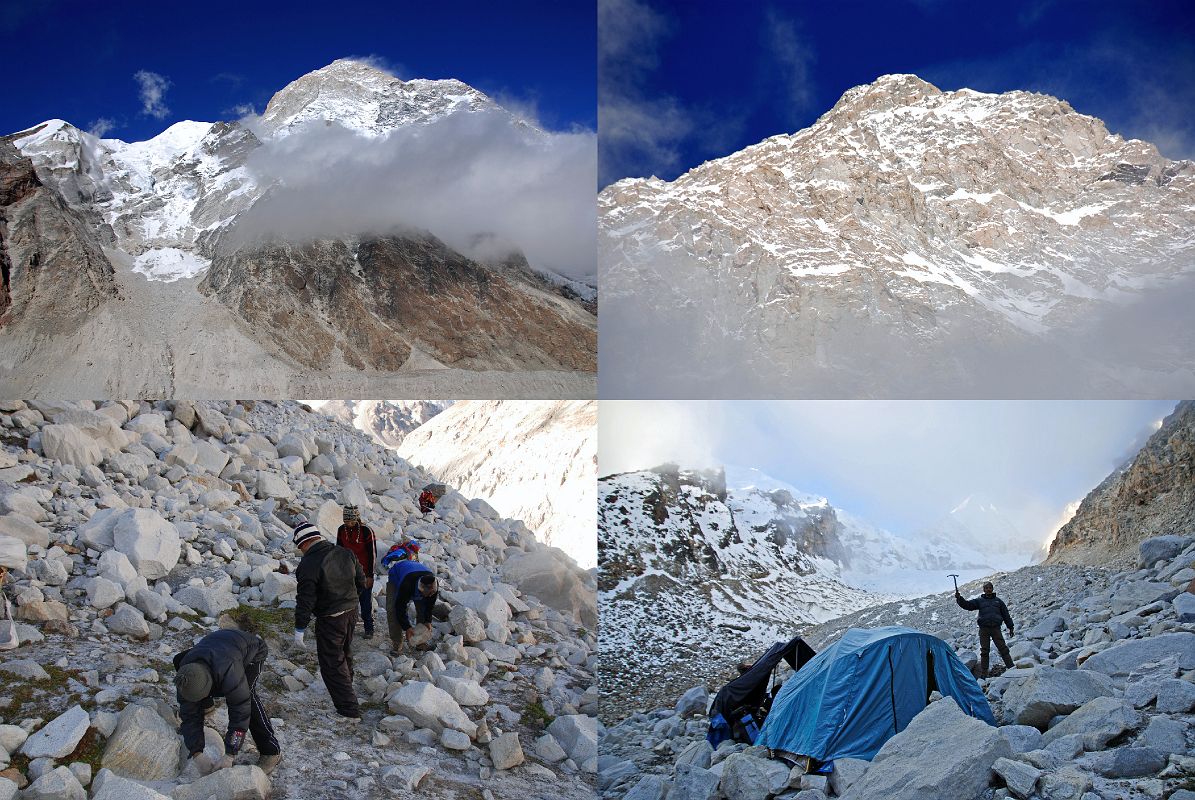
{"x": 906, "y": 236}
{"x": 367, "y": 100}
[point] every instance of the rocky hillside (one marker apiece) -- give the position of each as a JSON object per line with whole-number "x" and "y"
{"x": 131, "y": 529}
{"x": 1098, "y": 705}
{"x": 1151, "y": 495}
{"x": 692, "y": 572}
{"x": 911, "y": 243}
{"x": 53, "y": 270}
{"x": 533, "y": 460}
{"x": 387, "y": 421}
{"x": 187, "y": 224}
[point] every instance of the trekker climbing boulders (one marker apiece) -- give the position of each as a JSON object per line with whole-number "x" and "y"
{"x": 225, "y": 664}
{"x": 330, "y": 581}
{"x": 409, "y": 581}
{"x": 358, "y": 537}
{"x": 430, "y": 495}
{"x": 992, "y": 612}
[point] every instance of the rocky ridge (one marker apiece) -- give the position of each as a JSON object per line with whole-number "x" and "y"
{"x": 910, "y": 242}
{"x": 386, "y": 421}
{"x": 1152, "y": 494}
{"x": 53, "y": 270}
{"x": 130, "y": 529}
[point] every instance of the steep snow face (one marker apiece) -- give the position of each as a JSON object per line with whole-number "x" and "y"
{"x": 387, "y": 421}
{"x": 905, "y": 236}
{"x": 532, "y": 460}
{"x": 166, "y": 200}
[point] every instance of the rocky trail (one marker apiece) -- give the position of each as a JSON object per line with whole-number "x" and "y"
{"x": 1097, "y": 706}
{"x": 133, "y": 529}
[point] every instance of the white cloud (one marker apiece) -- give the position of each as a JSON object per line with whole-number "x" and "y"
{"x": 640, "y": 134}
{"x": 467, "y": 178}
{"x": 793, "y": 57}
{"x": 101, "y": 127}
{"x": 152, "y": 93}
{"x": 898, "y": 464}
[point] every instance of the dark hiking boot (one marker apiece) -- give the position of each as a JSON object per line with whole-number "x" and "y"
{"x": 368, "y": 634}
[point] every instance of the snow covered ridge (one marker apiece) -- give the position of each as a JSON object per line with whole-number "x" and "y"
{"x": 950, "y": 223}
{"x": 166, "y": 200}
{"x": 131, "y": 528}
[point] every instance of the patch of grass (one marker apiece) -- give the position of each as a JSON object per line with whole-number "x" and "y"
{"x": 36, "y": 698}
{"x": 536, "y": 716}
{"x": 264, "y": 621}
{"x": 90, "y": 750}
{"x": 21, "y": 762}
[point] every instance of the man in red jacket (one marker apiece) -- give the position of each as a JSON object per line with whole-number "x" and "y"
{"x": 358, "y": 537}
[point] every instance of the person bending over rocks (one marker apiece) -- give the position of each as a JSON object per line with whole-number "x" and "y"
{"x": 409, "y": 582}
{"x": 330, "y": 581}
{"x": 225, "y": 664}
{"x": 992, "y": 612}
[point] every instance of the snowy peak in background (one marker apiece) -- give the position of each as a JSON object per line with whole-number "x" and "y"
{"x": 905, "y": 237}
{"x": 367, "y": 100}
{"x": 977, "y": 524}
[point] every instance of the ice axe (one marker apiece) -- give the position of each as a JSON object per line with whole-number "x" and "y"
{"x": 954, "y": 577}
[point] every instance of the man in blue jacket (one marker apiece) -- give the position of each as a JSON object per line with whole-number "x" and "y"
{"x": 409, "y": 582}
{"x": 225, "y": 664}
{"x": 992, "y": 612}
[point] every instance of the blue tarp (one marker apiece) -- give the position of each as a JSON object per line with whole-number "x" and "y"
{"x": 863, "y": 690}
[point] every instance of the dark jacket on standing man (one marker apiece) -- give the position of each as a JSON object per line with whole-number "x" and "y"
{"x": 330, "y": 580}
{"x": 235, "y": 659}
{"x": 991, "y": 608}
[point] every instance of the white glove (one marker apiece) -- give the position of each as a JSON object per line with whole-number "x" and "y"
{"x": 299, "y": 638}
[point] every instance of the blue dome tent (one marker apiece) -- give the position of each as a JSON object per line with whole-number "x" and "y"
{"x": 864, "y": 689}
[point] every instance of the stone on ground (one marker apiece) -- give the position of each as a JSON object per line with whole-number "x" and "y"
{"x": 1049, "y": 692}
{"x": 143, "y": 747}
{"x": 942, "y": 753}
{"x": 60, "y": 737}
{"x": 506, "y": 751}
{"x": 246, "y": 782}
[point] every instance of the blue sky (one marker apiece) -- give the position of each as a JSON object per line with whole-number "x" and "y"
{"x": 901, "y": 464}
{"x": 684, "y": 81}
{"x": 78, "y": 60}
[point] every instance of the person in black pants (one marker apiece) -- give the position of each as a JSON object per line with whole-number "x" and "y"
{"x": 409, "y": 582}
{"x": 992, "y": 612}
{"x": 330, "y": 581}
{"x": 225, "y": 664}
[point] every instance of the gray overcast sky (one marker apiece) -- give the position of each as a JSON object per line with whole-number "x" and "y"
{"x": 897, "y": 464}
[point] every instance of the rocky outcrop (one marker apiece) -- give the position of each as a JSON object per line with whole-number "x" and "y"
{"x": 382, "y": 303}
{"x": 52, "y": 265}
{"x": 1152, "y": 495}
{"x": 911, "y": 243}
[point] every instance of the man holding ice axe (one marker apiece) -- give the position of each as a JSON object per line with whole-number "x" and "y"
{"x": 992, "y": 612}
